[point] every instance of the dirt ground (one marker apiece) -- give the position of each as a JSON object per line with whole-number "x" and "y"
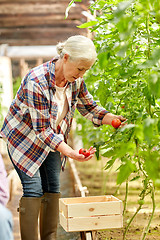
{"x": 101, "y": 182}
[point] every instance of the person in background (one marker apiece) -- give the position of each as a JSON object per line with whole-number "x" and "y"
{"x": 6, "y": 222}
{"x": 37, "y": 127}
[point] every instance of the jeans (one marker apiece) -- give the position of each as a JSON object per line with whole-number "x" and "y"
{"x": 46, "y": 179}
{"x": 6, "y": 224}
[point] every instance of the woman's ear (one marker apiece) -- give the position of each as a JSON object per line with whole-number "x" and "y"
{"x": 65, "y": 57}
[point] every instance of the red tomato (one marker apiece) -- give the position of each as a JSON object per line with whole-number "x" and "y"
{"x": 116, "y": 123}
{"x": 81, "y": 151}
{"x": 85, "y": 152}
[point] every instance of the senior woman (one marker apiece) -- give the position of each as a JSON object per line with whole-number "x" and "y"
{"x": 37, "y": 127}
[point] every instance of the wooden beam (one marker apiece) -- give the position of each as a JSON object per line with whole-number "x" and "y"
{"x": 37, "y": 36}
{"x": 33, "y": 20}
{"x": 39, "y": 22}
{"x": 42, "y": 1}
{"x": 39, "y": 41}
{"x": 38, "y": 8}
{"x": 35, "y": 32}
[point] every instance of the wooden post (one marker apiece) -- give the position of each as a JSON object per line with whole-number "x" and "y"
{"x": 78, "y": 183}
{"x": 39, "y": 61}
{"x": 13, "y": 182}
{"x": 23, "y": 67}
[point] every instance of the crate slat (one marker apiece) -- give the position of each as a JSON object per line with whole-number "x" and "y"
{"x": 93, "y": 206}
{"x": 103, "y": 198}
{"x": 90, "y": 223}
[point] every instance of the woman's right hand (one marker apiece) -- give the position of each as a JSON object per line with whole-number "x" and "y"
{"x": 74, "y": 154}
{"x": 81, "y": 157}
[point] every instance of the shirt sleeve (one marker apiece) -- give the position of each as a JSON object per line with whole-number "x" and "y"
{"x": 4, "y": 190}
{"x": 38, "y": 106}
{"x": 88, "y": 107}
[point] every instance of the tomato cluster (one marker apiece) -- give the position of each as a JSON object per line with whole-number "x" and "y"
{"x": 85, "y": 152}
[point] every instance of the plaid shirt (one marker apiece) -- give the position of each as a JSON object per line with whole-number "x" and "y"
{"x": 30, "y": 125}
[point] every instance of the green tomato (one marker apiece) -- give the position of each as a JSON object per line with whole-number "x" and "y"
{"x": 140, "y": 202}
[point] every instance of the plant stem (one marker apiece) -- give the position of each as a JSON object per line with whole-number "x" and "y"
{"x": 102, "y": 175}
{"x": 150, "y": 219}
{"x": 125, "y": 200}
{"x": 148, "y": 33}
{"x": 125, "y": 232}
{"x": 138, "y": 209}
{"x": 117, "y": 189}
{"x": 149, "y": 108}
{"x": 141, "y": 169}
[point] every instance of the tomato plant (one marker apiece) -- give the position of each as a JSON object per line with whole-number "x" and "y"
{"x": 126, "y": 36}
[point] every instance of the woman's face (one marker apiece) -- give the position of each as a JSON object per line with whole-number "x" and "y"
{"x": 73, "y": 70}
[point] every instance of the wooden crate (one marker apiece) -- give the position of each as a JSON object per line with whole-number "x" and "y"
{"x": 90, "y": 213}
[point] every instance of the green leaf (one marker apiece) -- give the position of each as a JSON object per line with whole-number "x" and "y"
{"x": 109, "y": 152}
{"x": 154, "y": 84}
{"x": 103, "y": 59}
{"x": 152, "y": 165}
{"x": 122, "y": 51}
{"x": 138, "y": 131}
{"x": 102, "y": 93}
{"x": 148, "y": 128}
{"x": 69, "y": 7}
{"x": 101, "y": 3}
{"x": 127, "y": 127}
{"x": 149, "y": 96}
{"x": 152, "y": 60}
{"x": 124, "y": 171}
{"x": 158, "y": 125}
{"x": 109, "y": 164}
{"x": 122, "y": 6}
{"x": 135, "y": 178}
{"x": 87, "y": 24}
{"x": 119, "y": 150}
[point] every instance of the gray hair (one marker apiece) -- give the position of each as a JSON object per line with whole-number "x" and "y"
{"x": 78, "y": 47}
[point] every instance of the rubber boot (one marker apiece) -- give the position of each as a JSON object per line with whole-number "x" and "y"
{"x": 49, "y": 216}
{"x": 29, "y": 208}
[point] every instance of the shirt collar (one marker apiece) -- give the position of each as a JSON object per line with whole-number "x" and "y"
{"x": 52, "y": 82}
{"x": 52, "y": 72}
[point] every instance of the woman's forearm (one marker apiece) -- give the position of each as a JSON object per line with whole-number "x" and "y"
{"x": 65, "y": 149}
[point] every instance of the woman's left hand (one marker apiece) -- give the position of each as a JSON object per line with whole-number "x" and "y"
{"x": 109, "y": 117}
